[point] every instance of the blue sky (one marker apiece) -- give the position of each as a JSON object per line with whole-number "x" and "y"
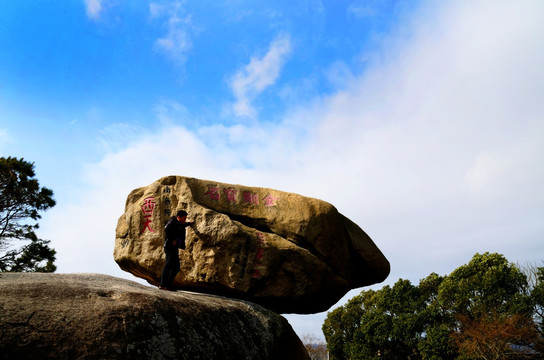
{"x": 421, "y": 121}
{"x": 83, "y": 68}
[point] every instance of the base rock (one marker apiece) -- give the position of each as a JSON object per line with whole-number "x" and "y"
{"x": 92, "y": 316}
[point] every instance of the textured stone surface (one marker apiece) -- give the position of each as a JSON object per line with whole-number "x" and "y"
{"x": 285, "y": 251}
{"x": 91, "y": 316}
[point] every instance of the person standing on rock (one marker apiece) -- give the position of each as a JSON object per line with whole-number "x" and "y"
{"x": 174, "y": 240}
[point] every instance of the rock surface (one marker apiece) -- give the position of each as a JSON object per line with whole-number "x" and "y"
{"x": 290, "y": 253}
{"x": 91, "y": 316}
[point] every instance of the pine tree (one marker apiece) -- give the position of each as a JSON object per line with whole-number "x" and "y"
{"x": 21, "y": 200}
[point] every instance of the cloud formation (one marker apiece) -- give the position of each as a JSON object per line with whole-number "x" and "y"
{"x": 176, "y": 43}
{"x": 93, "y": 8}
{"x": 259, "y": 74}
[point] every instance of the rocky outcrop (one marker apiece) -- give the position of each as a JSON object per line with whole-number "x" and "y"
{"x": 90, "y": 316}
{"x": 285, "y": 251}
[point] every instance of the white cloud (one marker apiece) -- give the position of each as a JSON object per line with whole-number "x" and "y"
{"x": 444, "y": 139}
{"x": 259, "y": 74}
{"x": 515, "y": 162}
{"x": 88, "y": 223}
{"x": 116, "y": 137}
{"x": 93, "y": 8}
{"x": 177, "y": 42}
{"x": 170, "y": 112}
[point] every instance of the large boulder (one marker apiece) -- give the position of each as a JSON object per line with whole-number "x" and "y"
{"x": 290, "y": 253}
{"x": 90, "y": 316}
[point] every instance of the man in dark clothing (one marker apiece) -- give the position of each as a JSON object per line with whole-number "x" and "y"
{"x": 174, "y": 240}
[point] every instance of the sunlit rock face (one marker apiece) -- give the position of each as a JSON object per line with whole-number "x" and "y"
{"x": 290, "y": 253}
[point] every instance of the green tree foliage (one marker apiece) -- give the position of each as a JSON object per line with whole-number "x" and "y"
{"x": 535, "y": 274}
{"x": 21, "y": 200}
{"x": 488, "y": 299}
{"x": 340, "y": 326}
{"x": 436, "y": 342}
{"x": 488, "y": 283}
{"x": 538, "y": 296}
{"x": 482, "y": 310}
{"x": 387, "y": 323}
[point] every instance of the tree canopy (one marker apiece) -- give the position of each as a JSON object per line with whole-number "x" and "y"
{"x": 21, "y": 201}
{"x": 485, "y": 309}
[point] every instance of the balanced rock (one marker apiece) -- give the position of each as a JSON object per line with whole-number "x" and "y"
{"x": 290, "y": 253}
{"x": 90, "y": 316}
